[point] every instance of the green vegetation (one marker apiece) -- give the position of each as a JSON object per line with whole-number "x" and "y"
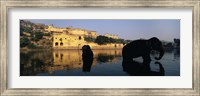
{"x": 25, "y": 29}
{"x": 38, "y": 35}
{"x": 89, "y": 39}
{"x": 101, "y": 40}
{"x": 24, "y": 41}
{"x": 104, "y": 40}
{"x": 32, "y": 46}
{"x": 47, "y": 34}
{"x": 31, "y": 35}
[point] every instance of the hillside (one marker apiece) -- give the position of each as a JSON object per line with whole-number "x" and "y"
{"x": 34, "y": 36}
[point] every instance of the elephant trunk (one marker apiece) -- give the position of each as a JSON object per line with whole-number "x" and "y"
{"x": 161, "y": 53}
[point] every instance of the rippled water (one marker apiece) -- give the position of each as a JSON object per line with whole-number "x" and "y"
{"x": 105, "y": 63}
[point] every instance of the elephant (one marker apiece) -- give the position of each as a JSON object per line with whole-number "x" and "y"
{"x": 87, "y": 57}
{"x": 142, "y": 48}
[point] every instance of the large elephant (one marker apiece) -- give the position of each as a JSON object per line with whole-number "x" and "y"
{"x": 142, "y": 48}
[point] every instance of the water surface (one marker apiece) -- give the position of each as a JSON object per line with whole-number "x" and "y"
{"x": 105, "y": 63}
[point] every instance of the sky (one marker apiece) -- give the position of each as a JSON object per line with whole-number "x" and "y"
{"x": 132, "y": 29}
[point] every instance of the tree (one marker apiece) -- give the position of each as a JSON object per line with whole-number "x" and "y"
{"x": 24, "y": 41}
{"x": 102, "y": 40}
{"x": 89, "y": 39}
{"x": 177, "y": 41}
{"x": 31, "y": 45}
{"x": 21, "y": 31}
{"x": 38, "y": 35}
{"x": 47, "y": 34}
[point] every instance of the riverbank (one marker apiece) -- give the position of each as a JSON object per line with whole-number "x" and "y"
{"x": 62, "y": 49}
{"x": 102, "y": 47}
{"x": 79, "y": 48}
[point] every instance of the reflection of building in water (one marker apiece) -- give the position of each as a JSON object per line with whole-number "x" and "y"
{"x": 70, "y": 58}
{"x": 103, "y": 56}
{"x": 108, "y": 52}
{"x": 34, "y": 62}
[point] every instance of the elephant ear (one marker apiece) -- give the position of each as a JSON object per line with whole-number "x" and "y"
{"x": 155, "y": 43}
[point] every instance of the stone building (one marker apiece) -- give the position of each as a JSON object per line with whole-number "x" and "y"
{"x": 111, "y": 36}
{"x": 73, "y": 38}
{"x": 68, "y": 41}
{"x": 53, "y": 29}
{"x": 72, "y": 31}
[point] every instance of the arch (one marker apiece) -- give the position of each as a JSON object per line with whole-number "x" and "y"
{"x": 56, "y": 44}
{"x": 79, "y": 38}
{"x": 56, "y": 55}
{"x": 115, "y": 45}
{"x": 61, "y": 43}
{"x": 61, "y": 56}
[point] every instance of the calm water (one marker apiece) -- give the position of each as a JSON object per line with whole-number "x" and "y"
{"x": 105, "y": 63}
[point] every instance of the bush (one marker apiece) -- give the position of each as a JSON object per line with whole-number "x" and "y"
{"x": 103, "y": 40}
{"x": 21, "y": 31}
{"x": 34, "y": 39}
{"x": 31, "y": 46}
{"x": 47, "y": 34}
{"x": 24, "y": 41}
{"x": 38, "y": 35}
{"x": 89, "y": 39}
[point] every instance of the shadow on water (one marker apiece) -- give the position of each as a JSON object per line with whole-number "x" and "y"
{"x": 135, "y": 68}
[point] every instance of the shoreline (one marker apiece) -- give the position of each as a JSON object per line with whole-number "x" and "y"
{"x": 94, "y": 48}
{"x": 52, "y": 49}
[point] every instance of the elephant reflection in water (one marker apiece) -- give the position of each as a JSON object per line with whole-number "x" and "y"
{"x": 135, "y": 68}
{"x": 87, "y": 57}
{"x": 142, "y": 48}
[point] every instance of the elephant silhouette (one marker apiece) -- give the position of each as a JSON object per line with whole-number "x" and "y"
{"x": 87, "y": 57}
{"x": 135, "y": 68}
{"x": 142, "y": 48}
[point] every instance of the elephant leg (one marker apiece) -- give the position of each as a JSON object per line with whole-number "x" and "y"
{"x": 146, "y": 58}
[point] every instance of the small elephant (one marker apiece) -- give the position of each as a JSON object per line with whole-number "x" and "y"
{"x": 142, "y": 48}
{"x": 87, "y": 57}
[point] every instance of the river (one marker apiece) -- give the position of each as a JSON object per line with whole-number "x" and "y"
{"x": 105, "y": 63}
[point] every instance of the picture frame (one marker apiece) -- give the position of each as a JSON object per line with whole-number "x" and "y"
{"x": 4, "y": 58}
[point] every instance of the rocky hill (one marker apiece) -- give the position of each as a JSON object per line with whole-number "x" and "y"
{"x": 33, "y": 35}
